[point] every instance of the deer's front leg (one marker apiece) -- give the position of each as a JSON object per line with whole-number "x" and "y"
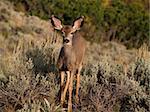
{"x": 77, "y": 88}
{"x": 70, "y": 93}
{"x": 62, "y": 75}
{"x": 63, "y": 93}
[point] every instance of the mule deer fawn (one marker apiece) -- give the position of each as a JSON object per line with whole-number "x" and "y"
{"x": 71, "y": 56}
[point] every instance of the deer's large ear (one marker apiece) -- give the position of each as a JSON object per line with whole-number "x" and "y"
{"x": 78, "y": 23}
{"x": 56, "y": 23}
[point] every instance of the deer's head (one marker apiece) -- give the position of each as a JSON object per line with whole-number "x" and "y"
{"x": 68, "y": 31}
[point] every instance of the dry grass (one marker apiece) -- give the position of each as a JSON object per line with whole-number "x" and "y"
{"x": 113, "y": 79}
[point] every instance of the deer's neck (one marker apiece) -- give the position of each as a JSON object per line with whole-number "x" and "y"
{"x": 67, "y": 48}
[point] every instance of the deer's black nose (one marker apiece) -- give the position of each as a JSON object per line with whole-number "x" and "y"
{"x": 65, "y": 41}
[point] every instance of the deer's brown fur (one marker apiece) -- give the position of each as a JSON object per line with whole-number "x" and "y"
{"x": 71, "y": 57}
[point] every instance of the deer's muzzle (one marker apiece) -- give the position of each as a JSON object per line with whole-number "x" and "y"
{"x": 66, "y": 41}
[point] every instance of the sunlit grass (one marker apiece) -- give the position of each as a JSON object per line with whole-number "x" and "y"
{"x": 113, "y": 78}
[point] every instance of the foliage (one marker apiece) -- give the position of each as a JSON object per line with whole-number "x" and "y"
{"x": 113, "y": 78}
{"x": 122, "y": 20}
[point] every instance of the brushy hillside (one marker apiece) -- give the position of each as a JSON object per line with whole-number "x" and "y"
{"x": 126, "y": 21}
{"x": 113, "y": 79}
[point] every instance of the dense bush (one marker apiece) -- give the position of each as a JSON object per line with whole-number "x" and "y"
{"x": 122, "y": 20}
{"x": 105, "y": 85}
{"x": 113, "y": 78}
